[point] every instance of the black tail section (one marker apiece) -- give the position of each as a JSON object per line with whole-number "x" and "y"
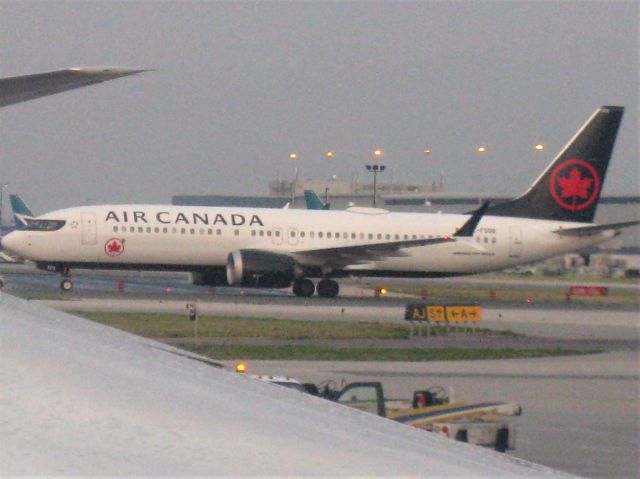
{"x": 569, "y": 189}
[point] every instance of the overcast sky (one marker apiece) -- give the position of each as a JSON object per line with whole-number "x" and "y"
{"x": 238, "y": 86}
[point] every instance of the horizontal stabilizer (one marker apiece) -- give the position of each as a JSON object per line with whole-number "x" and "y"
{"x": 592, "y": 229}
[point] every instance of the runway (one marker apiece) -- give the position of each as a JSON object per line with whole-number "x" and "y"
{"x": 170, "y": 293}
{"x": 580, "y": 413}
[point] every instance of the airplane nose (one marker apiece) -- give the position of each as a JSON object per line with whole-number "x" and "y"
{"x": 11, "y": 243}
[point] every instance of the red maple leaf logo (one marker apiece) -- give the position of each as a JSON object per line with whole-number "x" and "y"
{"x": 575, "y": 185}
{"x": 114, "y": 247}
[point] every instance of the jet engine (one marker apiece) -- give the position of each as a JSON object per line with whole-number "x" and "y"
{"x": 260, "y": 269}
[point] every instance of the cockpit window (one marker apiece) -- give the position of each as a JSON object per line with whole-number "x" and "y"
{"x": 44, "y": 225}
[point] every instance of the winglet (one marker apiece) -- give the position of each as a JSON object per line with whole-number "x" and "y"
{"x": 469, "y": 227}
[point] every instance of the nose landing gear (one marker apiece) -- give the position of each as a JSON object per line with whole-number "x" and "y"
{"x": 66, "y": 284}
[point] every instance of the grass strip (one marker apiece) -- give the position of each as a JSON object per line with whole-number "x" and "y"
{"x": 517, "y": 295}
{"x": 177, "y": 326}
{"x": 321, "y": 353}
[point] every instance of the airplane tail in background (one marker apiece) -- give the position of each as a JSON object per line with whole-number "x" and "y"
{"x": 21, "y": 212}
{"x": 313, "y": 202}
{"x": 570, "y": 187}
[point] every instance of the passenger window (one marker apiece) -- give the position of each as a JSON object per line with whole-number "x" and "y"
{"x": 218, "y": 231}
{"x": 174, "y": 230}
{"x": 268, "y": 232}
{"x": 209, "y": 231}
{"x": 115, "y": 229}
{"x": 319, "y": 234}
{"x": 253, "y": 232}
{"x": 329, "y": 235}
{"x": 132, "y": 229}
{"x": 388, "y": 237}
{"x": 236, "y": 232}
{"x": 165, "y": 230}
{"x": 302, "y": 234}
{"x": 261, "y": 233}
{"x": 493, "y": 240}
{"x": 370, "y": 236}
{"x": 379, "y": 236}
{"x": 201, "y": 231}
{"x": 312, "y": 234}
{"x": 183, "y": 231}
{"x": 156, "y": 230}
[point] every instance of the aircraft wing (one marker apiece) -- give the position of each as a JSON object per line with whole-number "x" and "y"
{"x": 80, "y": 398}
{"x": 28, "y": 87}
{"x": 359, "y": 254}
{"x": 346, "y": 255}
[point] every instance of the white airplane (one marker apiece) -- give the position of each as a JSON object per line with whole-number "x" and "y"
{"x": 277, "y": 248}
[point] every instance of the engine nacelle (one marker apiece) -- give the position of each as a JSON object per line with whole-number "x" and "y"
{"x": 210, "y": 277}
{"x": 260, "y": 269}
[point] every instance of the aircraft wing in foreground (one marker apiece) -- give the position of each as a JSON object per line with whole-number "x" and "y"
{"x": 84, "y": 399}
{"x": 28, "y": 87}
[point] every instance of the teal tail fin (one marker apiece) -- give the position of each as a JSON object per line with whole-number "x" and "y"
{"x": 313, "y": 202}
{"x": 21, "y": 212}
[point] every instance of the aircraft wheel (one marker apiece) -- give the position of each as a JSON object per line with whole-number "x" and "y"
{"x": 66, "y": 285}
{"x": 328, "y": 288}
{"x": 303, "y": 287}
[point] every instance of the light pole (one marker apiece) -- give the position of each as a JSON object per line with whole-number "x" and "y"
{"x": 329, "y": 155}
{"x": 375, "y": 169}
{"x": 293, "y": 157}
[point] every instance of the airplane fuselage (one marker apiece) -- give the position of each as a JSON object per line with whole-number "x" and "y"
{"x": 193, "y": 238}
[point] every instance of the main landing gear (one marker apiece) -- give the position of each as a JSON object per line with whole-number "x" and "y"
{"x": 326, "y": 288}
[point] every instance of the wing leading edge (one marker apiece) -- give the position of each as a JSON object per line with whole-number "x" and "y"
{"x": 28, "y": 87}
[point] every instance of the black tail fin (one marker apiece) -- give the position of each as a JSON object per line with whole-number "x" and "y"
{"x": 569, "y": 189}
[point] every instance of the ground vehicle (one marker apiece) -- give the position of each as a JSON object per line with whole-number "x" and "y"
{"x": 430, "y": 409}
